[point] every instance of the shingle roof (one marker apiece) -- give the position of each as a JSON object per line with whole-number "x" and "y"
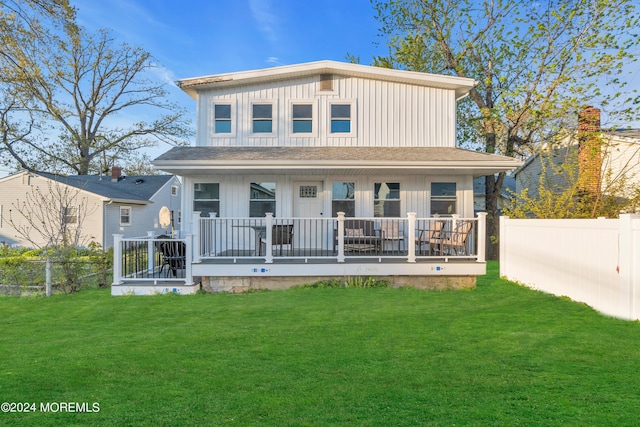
{"x": 375, "y": 154}
{"x": 135, "y": 188}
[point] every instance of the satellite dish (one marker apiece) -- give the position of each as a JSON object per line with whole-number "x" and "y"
{"x": 165, "y": 217}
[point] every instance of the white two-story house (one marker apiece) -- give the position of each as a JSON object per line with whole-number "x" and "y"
{"x": 326, "y": 169}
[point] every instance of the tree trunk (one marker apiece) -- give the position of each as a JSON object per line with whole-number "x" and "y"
{"x": 491, "y": 206}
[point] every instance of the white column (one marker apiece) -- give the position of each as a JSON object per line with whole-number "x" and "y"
{"x": 150, "y": 252}
{"x": 482, "y": 236}
{"x": 340, "y": 237}
{"x": 188, "y": 274}
{"x": 117, "y": 259}
{"x": 194, "y": 241}
{"x": 411, "y": 239}
{"x": 268, "y": 259}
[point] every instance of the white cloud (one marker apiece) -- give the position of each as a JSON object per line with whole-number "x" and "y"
{"x": 267, "y": 20}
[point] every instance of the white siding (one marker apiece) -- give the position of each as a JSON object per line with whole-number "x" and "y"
{"x": 415, "y": 193}
{"x": 386, "y": 114}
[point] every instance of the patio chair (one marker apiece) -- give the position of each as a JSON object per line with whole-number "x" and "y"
{"x": 454, "y": 243}
{"x": 159, "y": 250}
{"x": 174, "y": 256}
{"x": 281, "y": 235}
{"x": 430, "y": 236}
{"x": 390, "y": 232}
{"x": 360, "y": 236}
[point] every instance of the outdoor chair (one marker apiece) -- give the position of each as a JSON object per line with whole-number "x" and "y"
{"x": 281, "y": 235}
{"x": 454, "y": 243}
{"x": 360, "y": 236}
{"x": 173, "y": 256}
{"x": 390, "y": 232}
{"x": 430, "y": 236}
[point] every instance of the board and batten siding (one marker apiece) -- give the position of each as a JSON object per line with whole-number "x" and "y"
{"x": 386, "y": 114}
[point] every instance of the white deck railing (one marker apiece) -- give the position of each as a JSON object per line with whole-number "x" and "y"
{"x": 339, "y": 238}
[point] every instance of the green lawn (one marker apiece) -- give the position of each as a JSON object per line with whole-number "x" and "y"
{"x": 497, "y": 355}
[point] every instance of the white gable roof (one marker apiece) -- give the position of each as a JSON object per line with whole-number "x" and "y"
{"x": 460, "y": 85}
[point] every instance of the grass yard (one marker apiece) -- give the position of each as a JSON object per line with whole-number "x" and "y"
{"x": 497, "y": 355}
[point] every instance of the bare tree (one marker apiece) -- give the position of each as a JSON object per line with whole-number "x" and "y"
{"x": 80, "y": 87}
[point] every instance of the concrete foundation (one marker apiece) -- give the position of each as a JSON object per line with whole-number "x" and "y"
{"x": 244, "y": 284}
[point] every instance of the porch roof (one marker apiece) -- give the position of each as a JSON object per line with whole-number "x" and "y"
{"x": 330, "y": 160}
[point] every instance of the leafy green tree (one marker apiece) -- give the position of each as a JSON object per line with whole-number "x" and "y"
{"x": 536, "y": 63}
{"x": 77, "y": 87}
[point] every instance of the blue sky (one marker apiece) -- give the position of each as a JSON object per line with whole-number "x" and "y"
{"x": 203, "y": 37}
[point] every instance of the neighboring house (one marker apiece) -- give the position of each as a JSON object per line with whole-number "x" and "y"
{"x": 104, "y": 206}
{"x": 615, "y": 157}
{"x": 479, "y": 199}
{"x": 309, "y": 141}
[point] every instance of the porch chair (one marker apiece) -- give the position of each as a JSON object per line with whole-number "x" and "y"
{"x": 390, "y": 232}
{"x": 174, "y": 256}
{"x": 159, "y": 245}
{"x": 454, "y": 243}
{"x": 281, "y": 235}
{"x": 430, "y": 236}
{"x": 359, "y": 236}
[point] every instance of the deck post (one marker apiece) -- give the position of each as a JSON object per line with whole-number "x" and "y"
{"x": 150, "y": 252}
{"x": 340, "y": 236}
{"x": 411, "y": 238}
{"x": 268, "y": 259}
{"x": 194, "y": 242}
{"x": 188, "y": 273}
{"x": 482, "y": 236}
{"x": 117, "y": 259}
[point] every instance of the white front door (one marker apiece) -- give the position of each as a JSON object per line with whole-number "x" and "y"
{"x": 308, "y": 203}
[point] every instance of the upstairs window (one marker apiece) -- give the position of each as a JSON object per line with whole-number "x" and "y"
{"x": 262, "y": 199}
{"x": 443, "y": 198}
{"x": 222, "y": 114}
{"x": 206, "y": 198}
{"x": 386, "y": 199}
{"x": 340, "y": 118}
{"x": 262, "y": 115}
{"x": 343, "y": 198}
{"x": 302, "y": 118}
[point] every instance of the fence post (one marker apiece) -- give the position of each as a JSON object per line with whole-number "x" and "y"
{"x": 627, "y": 270}
{"x": 504, "y": 260}
{"x": 117, "y": 259}
{"x": 482, "y": 236}
{"x": 268, "y": 258}
{"x": 47, "y": 273}
{"x": 340, "y": 236}
{"x": 411, "y": 238}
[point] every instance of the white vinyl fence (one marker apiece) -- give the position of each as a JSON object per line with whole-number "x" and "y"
{"x": 594, "y": 261}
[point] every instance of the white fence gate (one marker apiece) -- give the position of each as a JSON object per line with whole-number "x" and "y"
{"x": 594, "y": 261}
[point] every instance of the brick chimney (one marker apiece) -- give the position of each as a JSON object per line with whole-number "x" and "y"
{"x": 589, "y": 150}
{"x": 116, "y": 171}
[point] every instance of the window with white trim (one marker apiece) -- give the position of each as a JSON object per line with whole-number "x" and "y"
{"x": 223, "y": 119}
{"x": 206, "y": 198}
{"x": 262, "y": 199}
{"x": 262, "y": 118}
{"x": 443, "y": 198}
{"x": 343, "y": 198}
{"x": 386, "y": 199}
{"x": 302, "y": 118}
{"x": 125, "y": 215}
{"x": 341, "y": 118}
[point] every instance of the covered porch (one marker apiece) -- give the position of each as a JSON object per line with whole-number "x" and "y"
{"x": 231, "y": 254}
